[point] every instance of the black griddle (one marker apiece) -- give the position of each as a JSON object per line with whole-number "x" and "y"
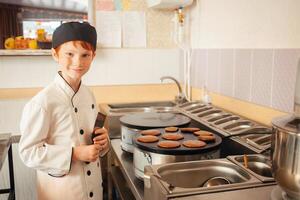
{"x": 150, "y": 120}
{"x": 182, "y": 150}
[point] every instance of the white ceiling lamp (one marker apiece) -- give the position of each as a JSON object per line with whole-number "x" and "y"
{"x": 168, "y": 4}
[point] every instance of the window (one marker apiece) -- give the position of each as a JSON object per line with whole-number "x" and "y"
{"x": 30, "y": 27}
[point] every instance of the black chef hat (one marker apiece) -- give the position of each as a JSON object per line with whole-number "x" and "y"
{"x": 71, "y": 31}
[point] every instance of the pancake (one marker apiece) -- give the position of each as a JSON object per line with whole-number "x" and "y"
{"x": 203, "y": 133}
{"x": 189, "y": 130}
{"x": 154, "y": 132}
{"x": 207, "y": 138}
{"x": 147, "y": 139}
{"x": 171, "y": 129}
{"x": 194, "y": 143}
{"x": 168, "y": 144}
{"x": 172, "y": 136}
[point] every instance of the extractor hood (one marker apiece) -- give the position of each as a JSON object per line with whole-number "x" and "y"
{"x": 168, "y": 4}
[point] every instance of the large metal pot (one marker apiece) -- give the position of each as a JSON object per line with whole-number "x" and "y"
{"x": 143, "y": 158}
{"x": 285, "y": 153}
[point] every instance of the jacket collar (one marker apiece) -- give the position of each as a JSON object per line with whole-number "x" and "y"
{"x": 64, "y": 85}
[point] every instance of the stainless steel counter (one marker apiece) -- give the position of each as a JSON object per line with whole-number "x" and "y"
{"x": 126, "y": 164}
{"x": 257, "y": 193}
{"x": 5, "y": 142}
{"x": 136, "y": 186}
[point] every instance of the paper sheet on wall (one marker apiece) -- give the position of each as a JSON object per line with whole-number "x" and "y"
{"x": 109, "y": 28}
{"x": 134, "y": 29}
{"x": 126, "y": 4}
{"x": 118, "y": 5}
{"x": 105, "y": 5}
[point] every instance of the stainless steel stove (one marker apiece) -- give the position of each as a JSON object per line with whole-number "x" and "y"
{"x": 194, "y": 179}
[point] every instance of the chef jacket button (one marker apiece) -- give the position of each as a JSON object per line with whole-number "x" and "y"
{"x": 91, "y": 194}
{"x": 75, "y": 109}
{"x": 81, "y": 131}
{"x": 93, "y": 106}
{"x": 98, "y": 164}
{"x": 88, "y": 172}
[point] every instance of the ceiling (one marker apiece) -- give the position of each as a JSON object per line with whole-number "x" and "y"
{"x": 69, "y": 5}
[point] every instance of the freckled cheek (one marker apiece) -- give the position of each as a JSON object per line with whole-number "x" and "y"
{"x": 86, "y": 63}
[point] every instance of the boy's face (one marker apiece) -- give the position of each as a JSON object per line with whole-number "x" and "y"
{"x": 74, "y": 61}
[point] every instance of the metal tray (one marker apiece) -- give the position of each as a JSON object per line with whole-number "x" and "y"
{"x": 194, "y": 174}
{"x": 258, "y": 165}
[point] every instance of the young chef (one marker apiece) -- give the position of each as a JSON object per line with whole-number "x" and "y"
{"x": 58, "y": 122}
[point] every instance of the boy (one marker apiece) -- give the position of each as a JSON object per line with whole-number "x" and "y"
{"x": 57, "y": 123}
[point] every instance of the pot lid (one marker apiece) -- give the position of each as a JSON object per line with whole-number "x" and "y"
{"x": 290, "y": 123}
{"x": 154, "y": 120}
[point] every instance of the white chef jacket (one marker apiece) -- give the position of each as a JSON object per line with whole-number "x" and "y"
{"x": 53, "y": 122}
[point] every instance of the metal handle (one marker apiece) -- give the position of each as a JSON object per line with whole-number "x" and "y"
{"x": 147, "y": 182}
{"x": 148, "y": 157}
{"x": 297, "y": 93}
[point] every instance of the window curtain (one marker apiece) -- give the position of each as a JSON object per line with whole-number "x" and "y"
{"x": 10, "y": 24}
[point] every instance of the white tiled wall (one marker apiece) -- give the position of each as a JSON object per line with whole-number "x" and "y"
{"x": 284, "y": 78}
{"x": 202, "y": 59}
{"x": 262, "y": 76}
{"x": 226, "y": 72}
{"x": 213, "y": 73}
{"x": 242, "y": 78}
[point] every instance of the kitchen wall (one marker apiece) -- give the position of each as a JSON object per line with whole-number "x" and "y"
{"x": 261, "y": 76}
{"x": 248, "y": 50}
{"x": 110, "y": 67}
{"x": 245, "y": 24}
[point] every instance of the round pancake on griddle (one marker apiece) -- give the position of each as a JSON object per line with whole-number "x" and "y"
{"x": 167, "y": 144}
{"x": 203, "y": 133}
{"x": 154, "y": 132}
{"x": 207, "y": 138}
{"x": 147, "y": 139}
{"x": 189, "y": 130}
{"x": 194, "y": 143}
{"x": 171, "y": 129}
{"x": 172, "y": 136}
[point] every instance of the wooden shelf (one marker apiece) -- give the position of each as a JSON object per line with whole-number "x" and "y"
{"x": 25, "y": 52}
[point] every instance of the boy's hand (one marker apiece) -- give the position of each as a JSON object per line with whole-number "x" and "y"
{"x": 87, "y": 153}
{"x": 100, "y": 137}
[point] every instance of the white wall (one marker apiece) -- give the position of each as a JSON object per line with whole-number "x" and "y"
{"x": 110, "y": 67}
{"x": 246, "y": 24}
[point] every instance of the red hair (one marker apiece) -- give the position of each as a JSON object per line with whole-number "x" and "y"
{"x": 83, "y": 44}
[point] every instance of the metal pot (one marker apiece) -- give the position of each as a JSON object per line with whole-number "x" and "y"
{"x": 143, "y": 158}
{"x": 285, "y": 153}
{"x": 127, "y": 135}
